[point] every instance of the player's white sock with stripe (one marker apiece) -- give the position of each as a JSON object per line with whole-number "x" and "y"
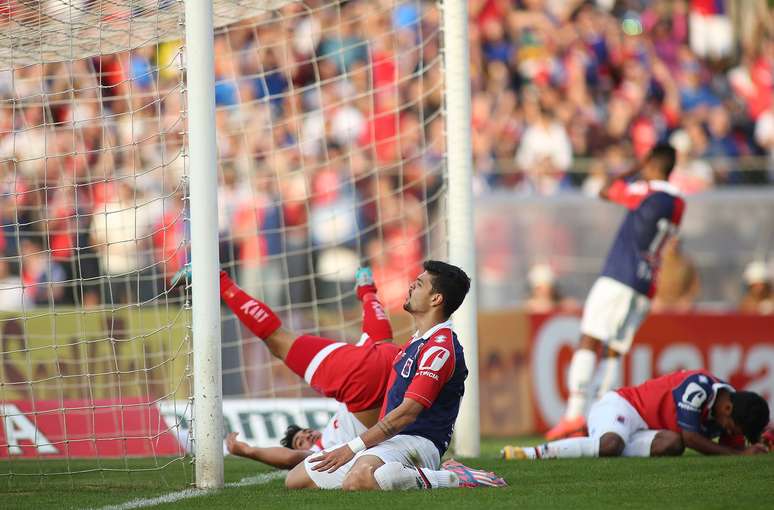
{"x": 608, "y": 376}
{"x": 572, "y": 448}
{"x": 639, "y": 444}
{"x": 396, "y": 476}
{"x": 578, "y": 379}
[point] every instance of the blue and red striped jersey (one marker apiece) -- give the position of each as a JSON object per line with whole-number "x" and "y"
{"x": 431, "y": 370}
{"x": 655, "y": 211}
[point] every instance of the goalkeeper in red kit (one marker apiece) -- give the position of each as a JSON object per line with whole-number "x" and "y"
{"x": 353, "y": 374}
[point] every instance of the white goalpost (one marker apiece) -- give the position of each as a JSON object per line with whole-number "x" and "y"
{"x": 208, "y": 392}
{"x": 284, "y": 142}
{"x": 462, "y": 242}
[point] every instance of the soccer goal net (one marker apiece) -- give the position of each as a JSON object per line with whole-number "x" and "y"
{"x": 331, "y": 135}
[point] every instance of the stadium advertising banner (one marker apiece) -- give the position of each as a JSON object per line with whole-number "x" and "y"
{"x": 94, "y": 354}
{"x": 736, "y": 348}
{"x": 135, "y": 427}
{"x": 82, "y": 428}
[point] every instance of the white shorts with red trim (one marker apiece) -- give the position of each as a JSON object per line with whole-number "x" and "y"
{"x": 613, "y": 413}
{"x": 613, "y": 313}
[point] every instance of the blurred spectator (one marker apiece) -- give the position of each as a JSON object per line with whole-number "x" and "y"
{"x": 764, "y": 136}
{"x": 11, "y": 290}
{"x": 758, "y": 297}
{"x": 118, "y": 231}
{"x": 696, "y": 95}
{"x": 545, "y": 152}
{"x": 545, "y": 295}
{"x": 711, "y": 33}
{"x": 690, "y": 175}
{"x": 678, "y": 286}
{"x": 42, "y": 278}
{"x": 752, "y": 79}
{"x": 255, "y": 228}
{"x": 169, "y": 241}
{"x": 722, "y": 148}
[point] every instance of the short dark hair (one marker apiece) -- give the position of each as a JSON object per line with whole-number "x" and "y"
{"x": 290, "y": 433}
{"x": 751, "y": 413}
{"x": 449, "y": 281}
{"x": 663, "y": 155}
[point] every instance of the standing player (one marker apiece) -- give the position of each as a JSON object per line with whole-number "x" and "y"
{"x": 620, "y": 298}
{"x": 662, "y": 417}
{"x": 403, "y": 450}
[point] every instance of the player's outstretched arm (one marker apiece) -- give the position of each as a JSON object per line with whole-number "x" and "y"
{"x": 275, "y": 456}
{"x": 701, "y": 444}
{"x": 391, "y": 425}
{"x": 605, "y": 192}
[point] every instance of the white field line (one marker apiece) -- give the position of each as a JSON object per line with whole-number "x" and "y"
{"x": 192, "y": 493}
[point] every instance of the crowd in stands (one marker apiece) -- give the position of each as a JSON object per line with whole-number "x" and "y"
{"x": 578, "y": 83}
{"x": 330, "y": 135}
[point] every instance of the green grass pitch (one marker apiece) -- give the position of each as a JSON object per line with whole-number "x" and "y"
{"x": 691, "y": 481}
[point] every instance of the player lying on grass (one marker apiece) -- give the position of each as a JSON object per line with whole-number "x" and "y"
{"x": 662, "y": 417}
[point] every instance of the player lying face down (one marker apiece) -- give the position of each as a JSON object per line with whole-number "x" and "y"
{"x": 663, "y": 416}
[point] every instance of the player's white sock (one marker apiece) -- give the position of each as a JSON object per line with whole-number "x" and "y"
{"x": 578, "y": 379}
{"x": 572, "y": 448}
{"x": 441, "y": 479}
{"x": 396, "y": 476}
{"x": 639, "y": 444}
{"x": 608, "y": 376}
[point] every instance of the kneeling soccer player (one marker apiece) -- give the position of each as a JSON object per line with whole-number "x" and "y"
{"x": 663, "y": 416}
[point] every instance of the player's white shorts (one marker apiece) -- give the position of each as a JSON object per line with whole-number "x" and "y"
{"x": 401, "y": 448}
{"x": 613, "y": 413}
{"x": 613, "y": 313}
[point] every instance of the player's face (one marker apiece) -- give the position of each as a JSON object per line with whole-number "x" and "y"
{"x": 420, "y": 294}
{"x": 722, "y": 410}
{"x": 305, "y": 438}
{"x": 651, "y": 171}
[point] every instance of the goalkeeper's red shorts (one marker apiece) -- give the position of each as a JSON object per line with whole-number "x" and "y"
{"x": 353, "y": 375}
